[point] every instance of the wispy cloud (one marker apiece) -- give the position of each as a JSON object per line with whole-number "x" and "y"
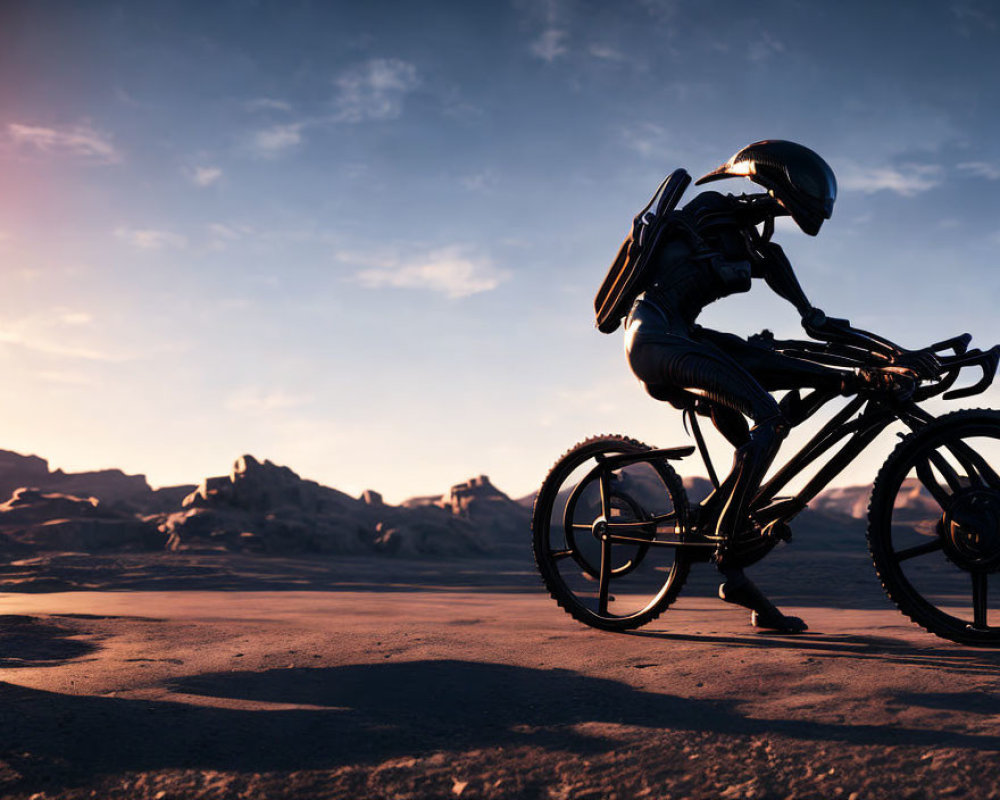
{"x": 552, "y": 44}
{"x": 56, "y": 333}
{"x": 982, "y": 169}
{"x": 971, "y": 17}
{"x": 220, "y": 230}
{"x": 647, "y": 139}
{"x": 607, "y": 53}
{"x": 764, "y": 48}
{"x": 255, "y": 400}
{"x": 221, "y": 235}
{"x": 266, "y": 104}
{"x": 75, "y": 318}
{"x": 907, "y": 180}
{"x": 375, "y": 90}
{"x": 151, "y": 239}
{"x": 549, "y": 22}
{"x": 81, "y": 141}
{"x": 277, "y": 139}
{"x": 480, "y": 181}
{"x": 451, "y": 271}
{"x": 661, "y": 10}
{"x": 206, "y": 176}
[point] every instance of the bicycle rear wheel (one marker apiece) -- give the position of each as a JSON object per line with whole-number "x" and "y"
{"x": 594, "y": 530}
{"x": 934, "y": 527}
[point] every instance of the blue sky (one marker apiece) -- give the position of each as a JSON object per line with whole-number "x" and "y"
{"x": 363, "y": 240}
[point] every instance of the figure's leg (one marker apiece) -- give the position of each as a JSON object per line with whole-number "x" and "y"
{"x": 775, "y": 371}
{"x": 702, "y": 368}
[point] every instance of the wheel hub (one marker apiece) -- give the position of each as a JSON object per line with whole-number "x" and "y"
{"x": 970, "y": 528}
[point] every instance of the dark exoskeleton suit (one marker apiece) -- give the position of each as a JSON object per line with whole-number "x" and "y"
{"x": 684, "y": 260}
{"x": 716, "y": 251}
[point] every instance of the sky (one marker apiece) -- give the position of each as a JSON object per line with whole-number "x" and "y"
{"x": 363, "y": 240}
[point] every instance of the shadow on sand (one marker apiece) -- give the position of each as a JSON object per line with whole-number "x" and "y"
{"x": 33, "y": 642}
{"x": 368, "y": 714}
{"x": 952, "y": 658}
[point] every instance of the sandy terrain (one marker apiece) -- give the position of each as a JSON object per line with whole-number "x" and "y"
{"x": 246, "y": 678}
{"x": 477, "y": 686}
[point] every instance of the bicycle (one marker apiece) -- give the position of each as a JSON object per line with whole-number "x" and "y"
{"x": 614, "y": 535}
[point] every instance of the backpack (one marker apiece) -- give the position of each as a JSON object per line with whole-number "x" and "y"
{"x": 630, "y": 271}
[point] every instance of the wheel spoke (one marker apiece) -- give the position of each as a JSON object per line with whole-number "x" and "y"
{"x": 948, "y": 471}
{"x": 605, "y": 580}
{"x": 558, "y": 555}
{"x": 582, "y": 526}
{"x": 926, "y": 476}
{"x": 979, "y": 595}
{"x": 976, "y": 467}
{"x": 919, "y": 550}
{"x": 605, "y": 481}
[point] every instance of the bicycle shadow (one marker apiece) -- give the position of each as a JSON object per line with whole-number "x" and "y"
{"x": 369, "y": 713}
{"x": 948, "y": 658}
{"x": 976, "y": 702}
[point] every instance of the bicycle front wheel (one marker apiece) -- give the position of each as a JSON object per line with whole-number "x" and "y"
{"x": 934, "y": 527}
{"x": 598, "y": 534}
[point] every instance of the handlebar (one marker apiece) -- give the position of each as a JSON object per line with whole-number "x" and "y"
{"x": 953, "y": 355}
{"x": 987, "y": 360}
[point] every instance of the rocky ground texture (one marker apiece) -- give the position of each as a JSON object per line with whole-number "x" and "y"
{"x": 435, "y": 693}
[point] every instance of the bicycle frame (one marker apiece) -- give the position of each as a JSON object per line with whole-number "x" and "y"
{"x": 863, "y": 430}
{"x": 861, "y": 421}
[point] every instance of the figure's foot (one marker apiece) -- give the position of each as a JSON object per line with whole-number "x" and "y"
{"x": 777, "y": 622}
{"x": 742, "y": 591}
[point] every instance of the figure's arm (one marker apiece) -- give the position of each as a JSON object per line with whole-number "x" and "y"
{"x": 777, "y": 272}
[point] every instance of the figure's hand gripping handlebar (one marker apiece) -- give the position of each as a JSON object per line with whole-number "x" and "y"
{"x": 935, "y": 368}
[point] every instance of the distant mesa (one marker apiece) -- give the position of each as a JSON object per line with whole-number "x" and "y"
{"x": 852, "y": 501}
{"x": 108, "y": 485}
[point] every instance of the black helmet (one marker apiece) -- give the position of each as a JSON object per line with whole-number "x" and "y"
{"x": 796, "y": 176}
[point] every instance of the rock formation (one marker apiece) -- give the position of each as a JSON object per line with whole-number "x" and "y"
{"x": 269, "y": 508}
{"x": 51, "y": 521}
{"x": 110, "y": 486}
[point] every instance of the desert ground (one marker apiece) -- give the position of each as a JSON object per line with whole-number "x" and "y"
{"x": 174, "y": 676}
